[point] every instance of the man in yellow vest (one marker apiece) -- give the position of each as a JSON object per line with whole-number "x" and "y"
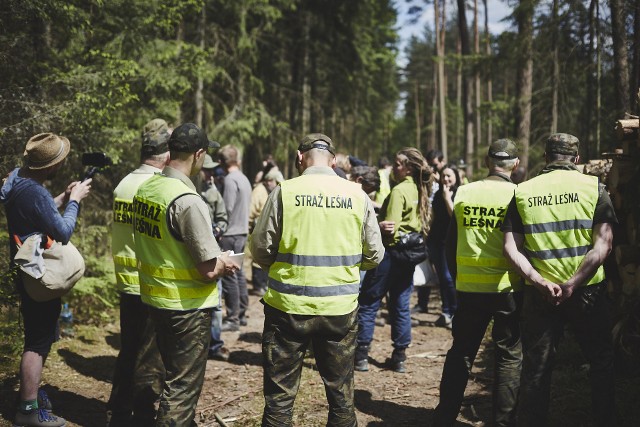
{"x": 487, "y": 288}
{"x": 138, "y": 372}
{"x": 557, "y": 234}
{"x": 179, "y": 262}
{"x": 316, "y": 232}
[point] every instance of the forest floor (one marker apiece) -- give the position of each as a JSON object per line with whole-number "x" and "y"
{"x": 78, "y": 380}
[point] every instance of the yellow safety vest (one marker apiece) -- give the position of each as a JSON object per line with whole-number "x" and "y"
{"x": 479, "y": 209}
{"x": 317, "y": 269}
{"x": 557, "y": 210}
{"x": 169, "y": 278}
{"x": 122, "y": 244}
{"x": 385, "y": 187}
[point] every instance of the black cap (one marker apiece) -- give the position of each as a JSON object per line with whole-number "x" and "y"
{"x": 189, "y": 138}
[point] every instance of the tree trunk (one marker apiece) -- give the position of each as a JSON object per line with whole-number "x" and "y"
{"x": 635, "y": 75}
{"x": 555, "y": 80}
{"x": 477, "y": 87}
{"x": 416, "y": 107}
{"x": 524, "y": 19}
{"x": 620, "y": 62}
{"x": 489, "y": 74}
{"x": 442, "y": 84}
{"x": 199, "y": 97}
{"x": 434, "y": 111}
{"x": 466, "y": 87}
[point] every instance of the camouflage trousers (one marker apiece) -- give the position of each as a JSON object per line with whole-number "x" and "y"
{"x": 138, "y": 375}
{"x": 285, "y": 340}
{"x": 183, "y": 340}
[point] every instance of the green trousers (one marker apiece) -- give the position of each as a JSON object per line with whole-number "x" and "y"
{"x": 285, "y": 341}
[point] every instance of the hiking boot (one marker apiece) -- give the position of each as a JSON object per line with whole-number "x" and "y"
{"x": 38, "y": 418}
{"x": 221, "y": 354}
{"x": 43, "y": 401}
{"x": 396, "y": 363}
{"x": 243, "y": 321}
{"x": 362, "y": 358}
{"x": 417, "y": 309}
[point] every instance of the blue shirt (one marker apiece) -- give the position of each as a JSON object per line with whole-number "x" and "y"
{"x": 30, "y": 208}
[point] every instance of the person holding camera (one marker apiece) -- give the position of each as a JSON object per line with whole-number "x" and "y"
{"x": 138, "y": 372}
{"x": 31, "y": 209}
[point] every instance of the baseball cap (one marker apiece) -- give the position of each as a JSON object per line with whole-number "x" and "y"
{"x": 209, "y": 163}
{"x": 503, "y": 149}
{"x": 562, "y": 143}
{"x": 155, "y": 135}
{"x": 316, "y": 140}
{"x": 189, "y": 138}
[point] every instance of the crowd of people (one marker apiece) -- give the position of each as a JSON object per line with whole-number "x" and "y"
{"x": 523, "y": 255}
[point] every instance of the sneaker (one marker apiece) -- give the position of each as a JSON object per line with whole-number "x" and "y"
{"x": 361, "y": 365}
{"x": 43, "y": 400}
{"x": 229, "y": 326}
{"x": 221, "y": 354}
{"x": 444, "y": 321}
{"x": 38, "y": 418}
{"x": 398, "y": 366}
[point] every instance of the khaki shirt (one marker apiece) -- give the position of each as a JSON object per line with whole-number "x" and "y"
{"x": 268, "y": 229}
{"x": 189, "y": 219}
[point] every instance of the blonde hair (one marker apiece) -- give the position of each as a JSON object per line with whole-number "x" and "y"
{"x": 412, "y": 159}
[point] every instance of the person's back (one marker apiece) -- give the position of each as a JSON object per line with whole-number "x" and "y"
{"x": 314, "y": 235}
{"x": 30, "y": 209}
{"x": 487, "y": 290}
{"x": 237, "y": 199}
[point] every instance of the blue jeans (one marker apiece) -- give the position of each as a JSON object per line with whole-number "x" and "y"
{"x": 395, "y": 279}
{"x": 216, "y": 324}
{"x": 447, "y": 286}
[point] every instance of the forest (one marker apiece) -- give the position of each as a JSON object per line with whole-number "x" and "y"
{"x": 259, "y": 74}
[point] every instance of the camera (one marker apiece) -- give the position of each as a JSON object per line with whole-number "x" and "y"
{"x": 96, "y": 161}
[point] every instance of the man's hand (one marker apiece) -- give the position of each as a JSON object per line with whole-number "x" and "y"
{"x": 567, "y": 291}
{"x": 229, "y": 268}
{"x": 551, "y": 292}
{"x": 387, "y": 227}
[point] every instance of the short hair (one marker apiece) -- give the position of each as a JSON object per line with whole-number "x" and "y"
{"x": 506, "y": 164}
{"x": 383, "y": 162}
{"x": 434, "y": 154}
{"x": 555, "y": 157}
{"x": 369, "y": 175}
{"x": 228, "y": 155}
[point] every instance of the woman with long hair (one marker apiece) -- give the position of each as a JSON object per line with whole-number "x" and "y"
{"x": 406, "y": 210}
{"x": 442, "y": 213}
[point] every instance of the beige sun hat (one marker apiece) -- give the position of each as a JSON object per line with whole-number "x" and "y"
{"x": 45, "y": 150}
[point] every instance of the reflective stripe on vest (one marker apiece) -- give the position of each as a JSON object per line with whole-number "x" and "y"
{"x": 557, "y": 211}
{"x": 479, "y": 209}
{"x": 122, "y": 245}
{"x": 169, "y": 278}
{"x": 317, "y": 269}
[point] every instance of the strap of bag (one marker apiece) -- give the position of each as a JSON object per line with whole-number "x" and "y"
{"x": 46, "y": 244}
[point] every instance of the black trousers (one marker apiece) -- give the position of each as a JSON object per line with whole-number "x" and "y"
{"x": 474, "y": 313}
{"x": 587, "y": 313}
{"x": 138, "y": 376}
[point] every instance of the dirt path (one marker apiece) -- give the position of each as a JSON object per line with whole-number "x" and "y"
{"x": 78, "y": 378}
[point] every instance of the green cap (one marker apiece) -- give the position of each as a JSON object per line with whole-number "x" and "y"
{"x": 562, "y": 143}
{"x": 155, "y": 136}
{"x": 316, "y": 140}
{"x": 209, "y": 163}
{"x": 503, "y": 149}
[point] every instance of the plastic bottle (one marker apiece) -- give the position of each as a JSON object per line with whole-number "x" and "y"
{"x": 66, "y": 321}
